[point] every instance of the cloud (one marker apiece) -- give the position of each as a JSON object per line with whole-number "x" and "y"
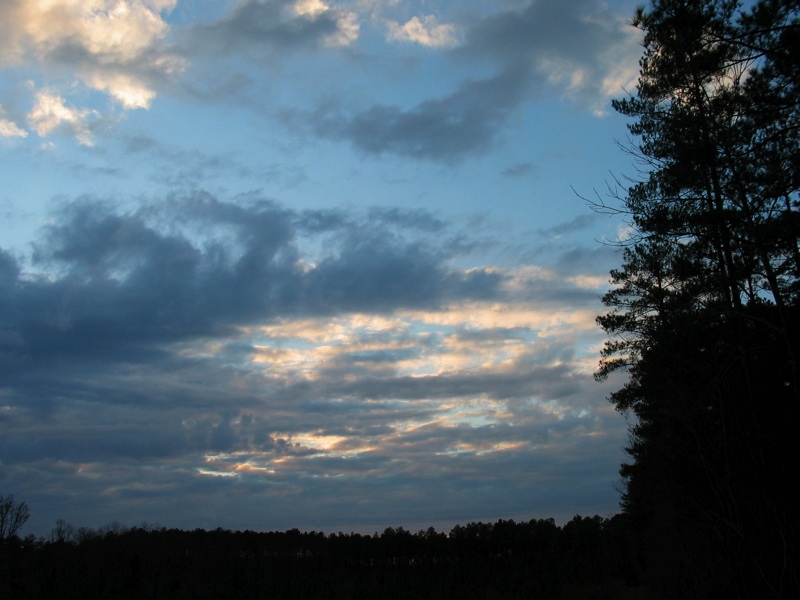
{"x": 194, "y": 167}
{"x": 10, "y": 129}
{"x": 347, "y": 28}
{"x": 127, "y": 50}
{"x": 119, "y": 282}
{"x": 330, "y": 365}
{"x": 115, "y": 47}
{"x": 578, "y": 223}
{"x": 51, "y": 114}
{"x": 448, "y": 129}
{"x": 579, "y": 50}
{"x": 520, "y": 170}
{"x": 265, "y": 28}
{"x": 426, "y": 31}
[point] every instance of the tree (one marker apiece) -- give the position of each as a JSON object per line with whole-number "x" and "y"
{"x": 63, "y": 532}
{"x": 13, "y": 515}
{"x": 705, "y": 310}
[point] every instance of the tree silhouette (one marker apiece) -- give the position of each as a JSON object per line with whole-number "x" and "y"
{"x": 704, "y": 312}
{"x": 13, "y": 515}
{"x": 506, "y": 559}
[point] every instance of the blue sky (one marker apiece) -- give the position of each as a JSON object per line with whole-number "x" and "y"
{"x": 270, "y": 264}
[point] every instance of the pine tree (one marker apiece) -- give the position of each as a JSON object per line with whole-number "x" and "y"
{"x": 704, "y": 312}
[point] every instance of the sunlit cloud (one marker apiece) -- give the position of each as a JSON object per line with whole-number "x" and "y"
{"x": 589, "y": 281}
{"x": 268, "y": 29}
{"x": 123, "y": 88}
{"x": 10, "y": 129}
{"x": 469, "y": 339}
{"x": 311, "y": 8}
{"x": 51, "y": 114}
{"x": 426, "y": 31}
{"x": 347, "y": 25}
{"x": 117, "y": 47}
{"x": 508, "y": 316}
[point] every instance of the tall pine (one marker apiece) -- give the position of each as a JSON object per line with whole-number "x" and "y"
{"x": 704, "y": 310}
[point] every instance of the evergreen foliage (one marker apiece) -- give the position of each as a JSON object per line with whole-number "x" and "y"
{"x": 704, "y": 310}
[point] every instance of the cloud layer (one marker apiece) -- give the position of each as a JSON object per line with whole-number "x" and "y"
{"x": 406, "y": 338}
{"x": 335, "y": 361}
{"x": 127, "y": 50}
{"x": 580, "y": 50}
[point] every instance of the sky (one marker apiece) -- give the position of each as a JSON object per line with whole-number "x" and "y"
{"x": 325, "y": 264}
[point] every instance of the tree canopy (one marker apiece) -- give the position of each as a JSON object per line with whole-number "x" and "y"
{"x": 704, "y": 309}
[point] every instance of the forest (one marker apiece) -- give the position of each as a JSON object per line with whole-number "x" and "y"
{"x": 588, "y": 557}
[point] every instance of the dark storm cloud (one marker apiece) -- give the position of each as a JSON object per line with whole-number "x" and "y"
{"x": 550, "y": 47}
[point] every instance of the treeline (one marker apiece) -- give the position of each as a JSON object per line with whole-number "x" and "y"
{"x": 587, "y": 557}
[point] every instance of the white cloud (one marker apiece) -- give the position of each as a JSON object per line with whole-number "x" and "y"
{"x": 347, "y": 30}
{"x": 425, "y": 31}
{"x": 625, "y": 232}
{"x": 9, "y": 128}
{"x": 122, "y": 87}
{"x": 50, "y": 113}
{"x": 347, "y": 27}
{"x": 311, "y": 8}
{"x": 122, "y": 31}
{"x": 114, "y": 46}
{"x": 476, "y": 337}
{"x": 583, "y": 49}
{"x": 622, "y": 75}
